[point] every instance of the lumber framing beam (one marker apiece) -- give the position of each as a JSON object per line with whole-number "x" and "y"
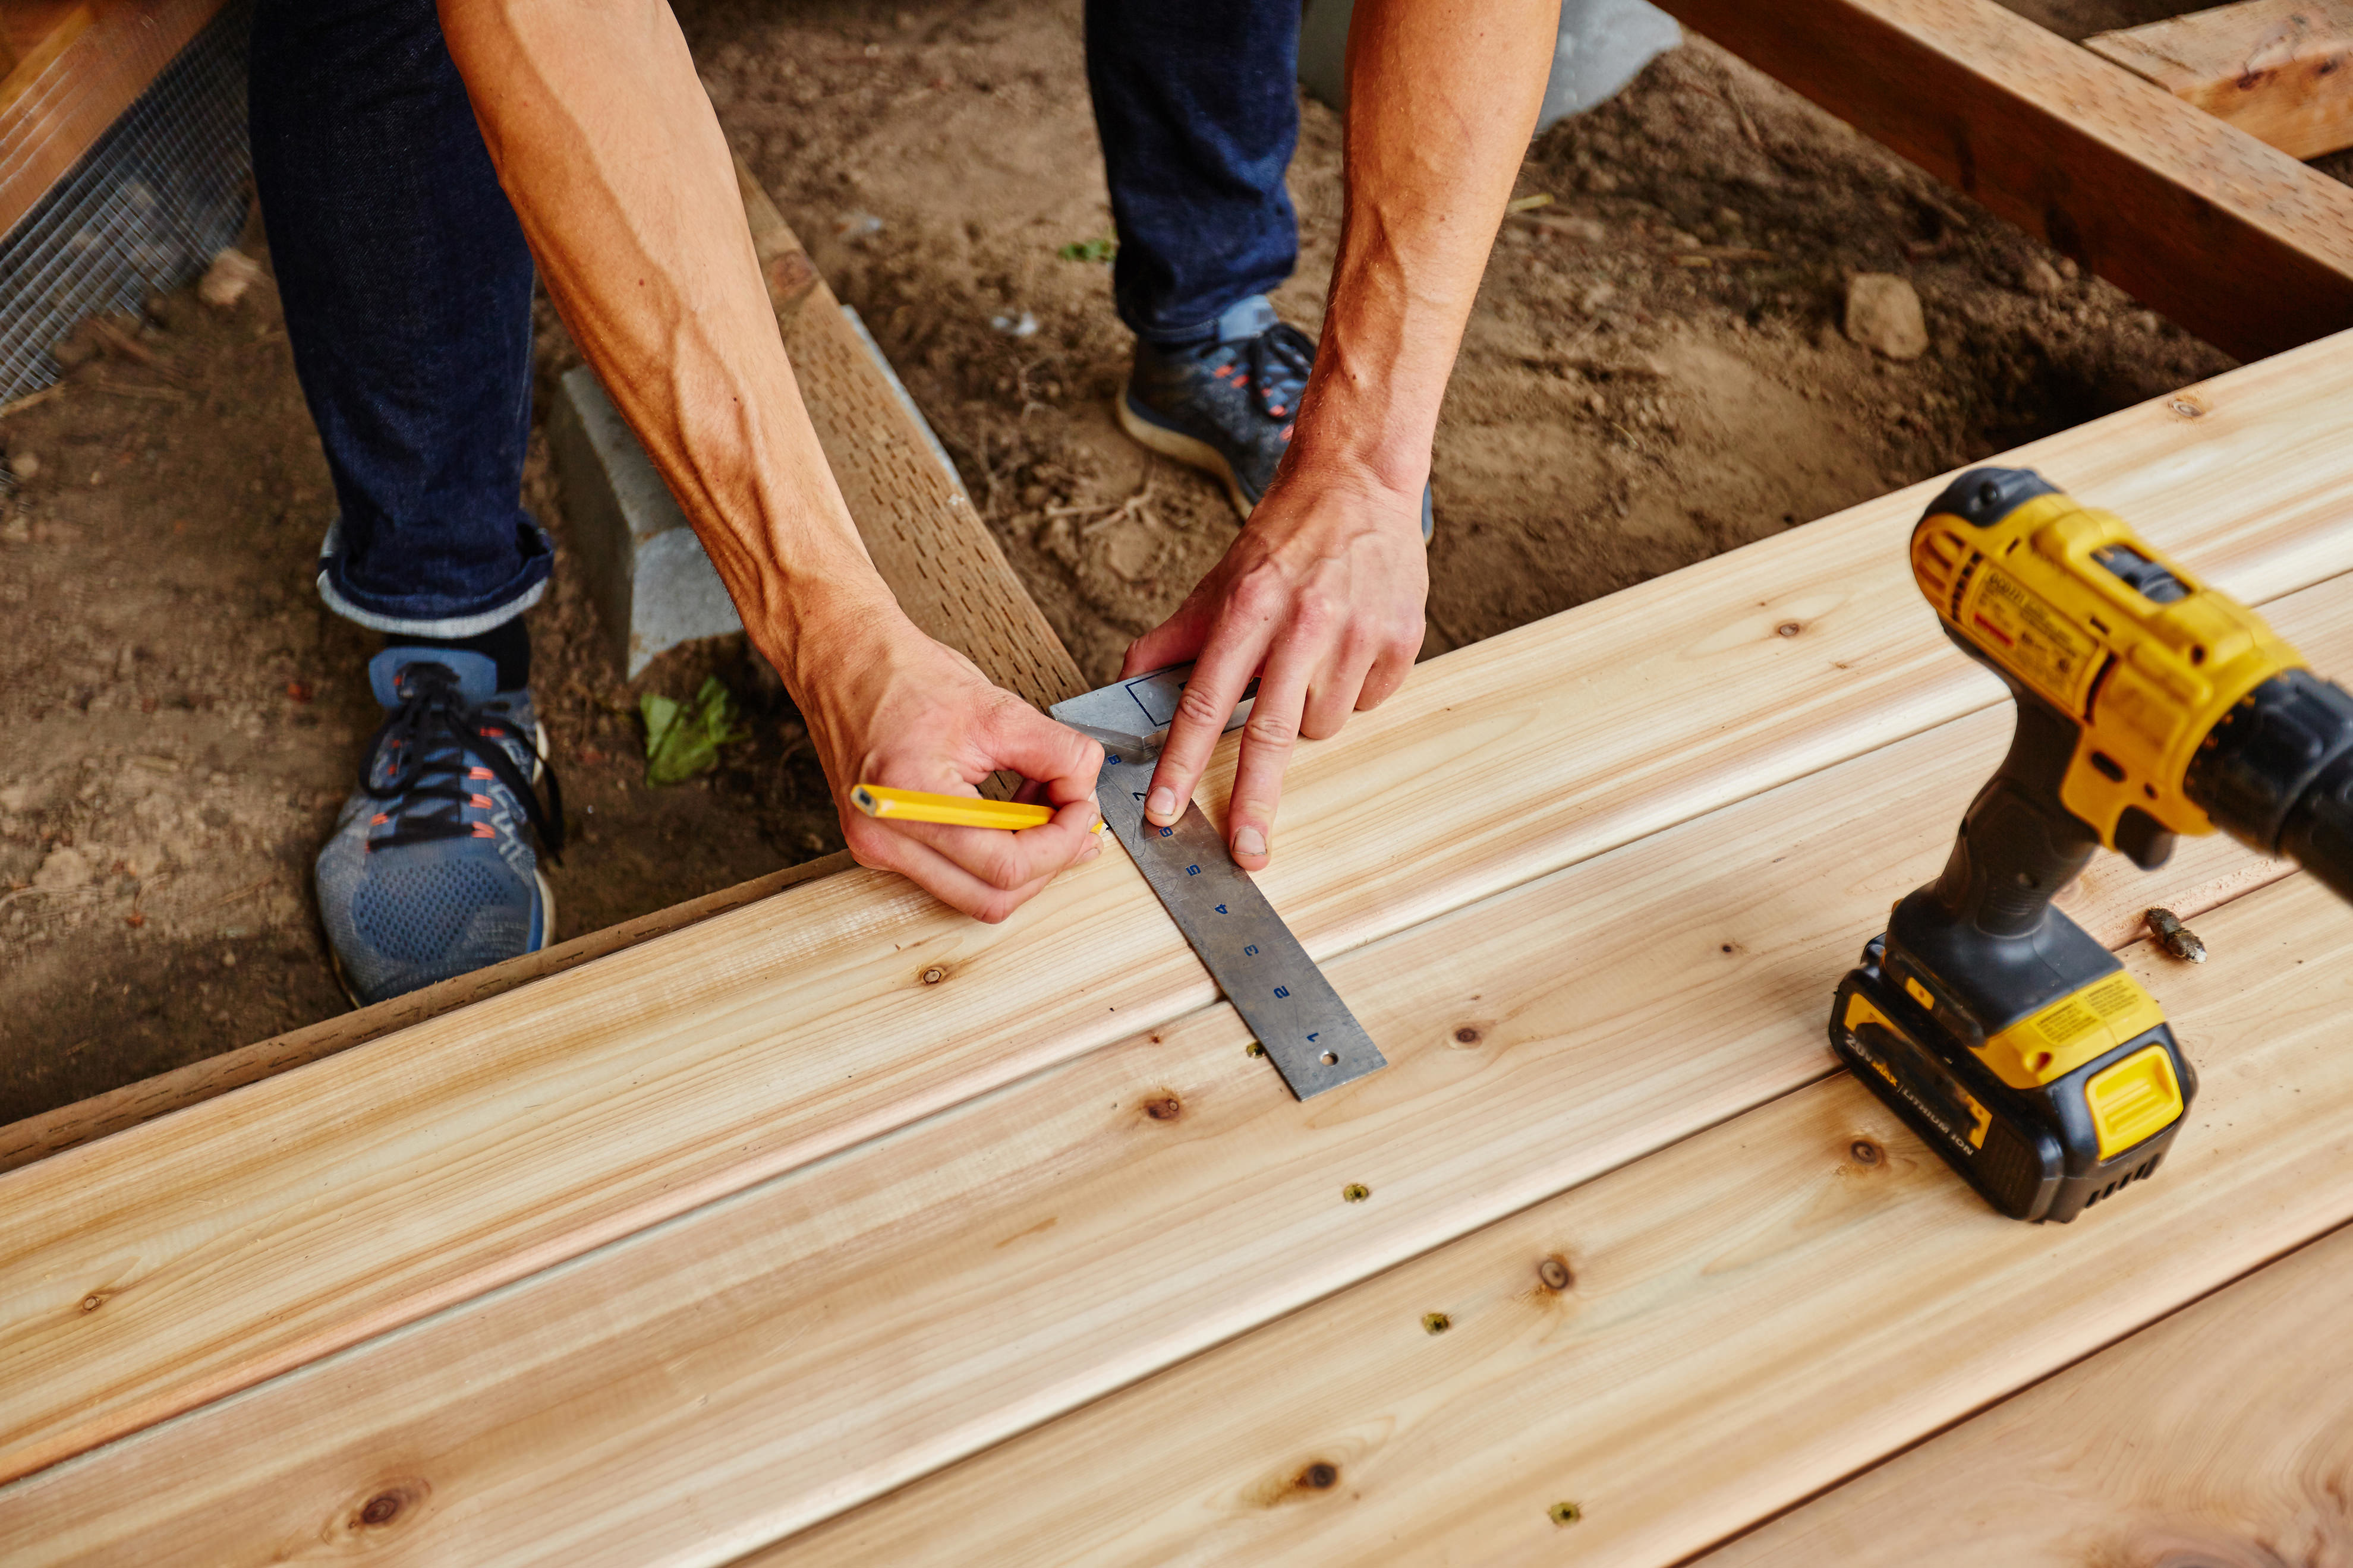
{"x": 2233, "y": 239}
{"x": 496, "y": 1142}
{"x": 2274, "y": 69}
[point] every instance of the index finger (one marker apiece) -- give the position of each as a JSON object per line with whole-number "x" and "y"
{"x": 1219, "y": 677}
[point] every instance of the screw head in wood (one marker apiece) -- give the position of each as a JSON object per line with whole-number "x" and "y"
{"x": 1565, "y": 1513}
{"x": 1436, "y": 1322}
{"x": 1355, "y": 1193}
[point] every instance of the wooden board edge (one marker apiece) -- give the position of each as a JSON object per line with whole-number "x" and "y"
{"x": 2233, "y": 239}
{"x": 69, "y": 1126}
{"x": 2276, "y": 68}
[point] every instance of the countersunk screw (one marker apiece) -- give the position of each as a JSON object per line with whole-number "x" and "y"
{"x": 1565, "y": 1513}
{"x": 1436, "y": 1322}
{"x": 2174, "y": 937}
{"x": 1355, "y": 1191}
{"x": 1255, "y": 1050}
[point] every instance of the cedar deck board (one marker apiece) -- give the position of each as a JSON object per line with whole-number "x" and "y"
{"x": 244, "y": 1236}
{"x": 2195, "y": 1441}
{"x": 2274, "y": 69}
{"x": 826, "y": 1328}
{"x": 1756, "y": 1315}
{"x": 2236, "y": 240}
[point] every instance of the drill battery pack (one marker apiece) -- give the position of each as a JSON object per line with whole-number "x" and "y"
{"x": 2098, "y": 1086}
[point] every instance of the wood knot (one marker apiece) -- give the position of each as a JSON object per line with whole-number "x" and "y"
{"x": 934, "y": 974}
{"x": 1865, "y": 1151}
{"x": 2187, "y": 407}
{"x": 1167, "y": 1108}
{"x": 1555, "y": 1273}
{"x": 92, "y": 1302}
{"x": 386, "y": 1504}
{"x": 1788, "y": 628}
{"x": 1468, "y": 1035}
{"x": 381, "y": 1509}
{"x": 1321, "y": 1476}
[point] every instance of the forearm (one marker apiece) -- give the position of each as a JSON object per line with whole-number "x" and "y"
{"x": 617, "y": 167}
{"x": 1442, "y": 95}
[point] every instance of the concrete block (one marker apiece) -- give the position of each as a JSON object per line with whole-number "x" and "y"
{"x": 646, "y": 569}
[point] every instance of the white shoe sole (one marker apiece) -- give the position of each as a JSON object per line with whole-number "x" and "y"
{"x": 1183, "y": 448}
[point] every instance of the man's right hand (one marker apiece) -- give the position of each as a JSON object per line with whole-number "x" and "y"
{"x": 887, "y": 705}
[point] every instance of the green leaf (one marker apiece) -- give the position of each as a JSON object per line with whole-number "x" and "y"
{"x": 1098, "y": 250}
{"x": 684, "y": 738}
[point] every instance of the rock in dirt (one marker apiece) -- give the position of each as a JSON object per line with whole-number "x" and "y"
{"x": 65, "y": 869}
{"x": 26, "y": 465}
{"x": 1883, "y": 314}
{"x": 2040, "y": 278}
{"x": 227, "y": 280}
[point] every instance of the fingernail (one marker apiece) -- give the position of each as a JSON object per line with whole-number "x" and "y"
{"x": 1093, "y": 848}
{"x": 1249, "y": 841}
{"x": 1161, "y": 803}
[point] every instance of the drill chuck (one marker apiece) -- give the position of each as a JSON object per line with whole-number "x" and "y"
{"x": 2276, "y": 774}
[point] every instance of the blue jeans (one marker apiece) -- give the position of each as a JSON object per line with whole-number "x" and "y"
{"x": 1196, "y": 104}
{"x": 407, "y": 287}
{"x": 408, "y": 293}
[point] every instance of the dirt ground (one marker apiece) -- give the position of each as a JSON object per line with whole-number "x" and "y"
{"x": 1655, "y": 373}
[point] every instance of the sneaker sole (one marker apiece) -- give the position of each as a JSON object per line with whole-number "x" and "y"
{"x": 1189, "y": 451}
{"x": 1183, "y": 448}
{"x": 546, "y": 897}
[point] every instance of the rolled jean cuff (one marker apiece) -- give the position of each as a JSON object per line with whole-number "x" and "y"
{"x": 432, "y": 614}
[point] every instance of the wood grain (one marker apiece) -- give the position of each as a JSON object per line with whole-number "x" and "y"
{"x": 2236, "y": 240}
{"x": 2217, "y": 1437}
{"x": 844, "y": 1331}
{"x": 69, "y": 1126}
{"x": 2274, "y": 69}
{"x": 91, "y": 66}
{"x": 296, "y": 1216}
{"x": 1755, "y": 1314}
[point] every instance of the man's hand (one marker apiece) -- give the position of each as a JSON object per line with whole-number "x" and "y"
{"x": 895, "y": 707}
{"x": 1320, "y": 599}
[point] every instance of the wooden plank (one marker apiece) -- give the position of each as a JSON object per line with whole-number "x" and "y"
{"x": 2218, "y": 1435}
{"x": 70, "y": 1126}
{"x": 785, "y": 266}
{"x": 1755, "y": 1314}
{"x": 2236, "y": 241}
{"x": 266, "y": 1228}
{"x": 90, "y": 68}
{"x": 2274, "y": 69}
{"x": 816, "y": 1344}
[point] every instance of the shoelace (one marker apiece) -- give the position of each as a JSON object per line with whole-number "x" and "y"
{"x": 1280, "y": 360}
{"x": 441, "y": 746}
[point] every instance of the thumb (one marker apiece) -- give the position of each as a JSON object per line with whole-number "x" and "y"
{"x": 1174, "y": 640}
{"x": 1025, "y": 740}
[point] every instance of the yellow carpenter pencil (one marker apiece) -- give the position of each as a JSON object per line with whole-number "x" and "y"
{"x": 952, "y": 810}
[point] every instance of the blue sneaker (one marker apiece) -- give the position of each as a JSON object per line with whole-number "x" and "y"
{"x": 1226, "y": 406}
{"x": 429, "y": 873}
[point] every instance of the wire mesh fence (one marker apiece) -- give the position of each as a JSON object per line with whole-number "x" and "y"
{"x": 159, "y": 193}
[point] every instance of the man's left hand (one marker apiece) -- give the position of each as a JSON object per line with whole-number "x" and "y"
{"x": 1321, "y": 598}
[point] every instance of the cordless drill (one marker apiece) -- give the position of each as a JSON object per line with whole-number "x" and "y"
{"x": 2149, "y": 705}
